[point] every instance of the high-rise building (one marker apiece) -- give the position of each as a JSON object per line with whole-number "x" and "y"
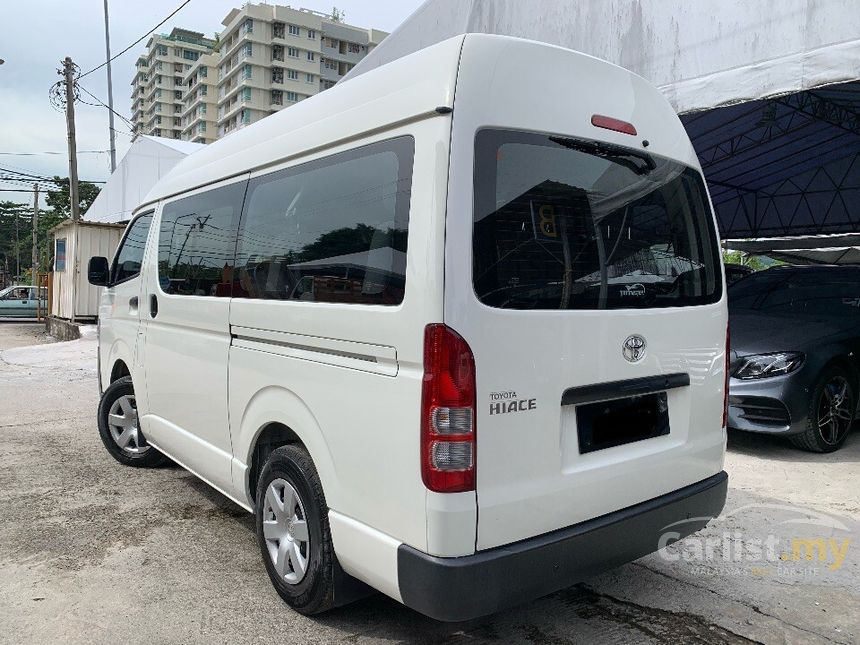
{"x": 199, "y": 114}
{"x": 274, "y": 56}
{"x": 268, "y": 57}
{"x": 158, "y": 86}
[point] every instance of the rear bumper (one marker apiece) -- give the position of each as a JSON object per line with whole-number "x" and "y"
{"x": 454, "y": 589}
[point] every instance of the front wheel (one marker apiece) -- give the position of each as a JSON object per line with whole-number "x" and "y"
{"x": 831, "y": 412}
{"x": 293, "y": 531}
{"x": 119, "y": 429}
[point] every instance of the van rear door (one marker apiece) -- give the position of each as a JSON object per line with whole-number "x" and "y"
{"x": 588, "y": 285}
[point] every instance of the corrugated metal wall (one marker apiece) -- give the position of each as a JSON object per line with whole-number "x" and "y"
{"x": 83, "y": 241}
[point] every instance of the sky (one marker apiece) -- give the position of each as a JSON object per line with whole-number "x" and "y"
{"x": 38, "y": 34}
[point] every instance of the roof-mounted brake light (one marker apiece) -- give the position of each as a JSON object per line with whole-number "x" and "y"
{"x": 608, "y": 123}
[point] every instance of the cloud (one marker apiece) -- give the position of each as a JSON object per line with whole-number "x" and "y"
{"x": 37, "y": 35}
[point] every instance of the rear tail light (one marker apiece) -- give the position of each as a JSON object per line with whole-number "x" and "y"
{"x": 726, "y": 390}
{"x": 616, "y": 125}
{"x": 447, "y": 412}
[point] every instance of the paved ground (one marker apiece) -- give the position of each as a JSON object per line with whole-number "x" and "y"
{"x": 91, "y": 552}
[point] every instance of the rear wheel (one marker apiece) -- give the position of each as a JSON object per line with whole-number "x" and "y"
{"x": 293, "y": 530}
{"x": 119, "y": 428}
{"x": 831, "y": 413}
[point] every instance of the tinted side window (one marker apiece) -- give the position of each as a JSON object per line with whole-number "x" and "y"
{"x": 130, "y": 254}
{"x": 197, "y": 241}
{"x": 332, "y": 230}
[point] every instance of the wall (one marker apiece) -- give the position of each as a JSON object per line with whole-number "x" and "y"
{"x": 83, "y": 241}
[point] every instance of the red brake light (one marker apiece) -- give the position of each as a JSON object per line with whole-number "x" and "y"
{"x": 608, "y": 123}
{"x": 447, "y": 412}
{"x": 726, "y": 390}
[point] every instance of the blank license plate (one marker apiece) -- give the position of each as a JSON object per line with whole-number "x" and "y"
{"x": 614, "y": 423}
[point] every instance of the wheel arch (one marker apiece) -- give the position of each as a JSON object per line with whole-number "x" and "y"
{"x": 276, "y": 416}
{"x": 845, "y": 359}
{"x": 118, "y": 370}
{"x": 117, "y": 362}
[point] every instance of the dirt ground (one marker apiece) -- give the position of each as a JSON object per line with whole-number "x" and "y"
{"x": 91, "y": 552}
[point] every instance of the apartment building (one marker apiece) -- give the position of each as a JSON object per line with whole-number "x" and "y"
{"x": 200, "y": 111}
{"x": 158, "y": 86}
{"x": 274, "y": 56}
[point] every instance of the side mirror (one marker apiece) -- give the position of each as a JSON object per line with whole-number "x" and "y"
{"x": 98, "y": 272}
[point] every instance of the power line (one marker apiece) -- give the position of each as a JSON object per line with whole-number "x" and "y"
{"x": 29, "y": 177}
{"x": 26, "y": 174}
{"x": 31, "y": 154}
{"x": 104, "y": 105}
{"x": 114, "y": 57}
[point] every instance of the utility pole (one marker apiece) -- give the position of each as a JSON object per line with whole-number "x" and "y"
{"x": 35, "y": 268}
{"x": 17, "y": 247}
{"x": 110, "y": 94}
{"x": 69, "y": 75}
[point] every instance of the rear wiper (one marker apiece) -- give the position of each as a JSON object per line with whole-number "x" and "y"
{"x": 640, "y": 163}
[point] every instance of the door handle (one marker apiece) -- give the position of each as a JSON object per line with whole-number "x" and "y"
{"x": 153, "y": 305}
{"x": 132, "y": 303}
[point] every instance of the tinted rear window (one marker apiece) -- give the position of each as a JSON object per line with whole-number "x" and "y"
{"x": 566, "y": 223}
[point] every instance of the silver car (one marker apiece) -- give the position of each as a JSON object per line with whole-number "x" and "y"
{"x": 20, "y": 301}
{"x": 795, "y": 345}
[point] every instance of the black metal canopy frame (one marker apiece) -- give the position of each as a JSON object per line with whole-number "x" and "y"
{"x": 783, "y": 166}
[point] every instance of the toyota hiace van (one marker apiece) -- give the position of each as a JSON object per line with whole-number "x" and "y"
{"x": 454, "y": 330}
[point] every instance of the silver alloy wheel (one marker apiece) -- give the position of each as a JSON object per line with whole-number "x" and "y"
{"x": 835, "y": 410}
{"x": 285, "y": 530}
{"x": 122, "y": 422}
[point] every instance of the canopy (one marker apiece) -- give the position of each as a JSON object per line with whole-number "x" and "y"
{"x": 147, "y": 160}
{"x": 768, "y": 91}
{"x": 816, "y": 249}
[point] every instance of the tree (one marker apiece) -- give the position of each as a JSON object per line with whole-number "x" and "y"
{"x": 15, "y": 236}
{"x": 60, "y": 209}
{"x": 755, "y": 262}
{"x": 337, "y": 15}
{"x": 60, "y": 203}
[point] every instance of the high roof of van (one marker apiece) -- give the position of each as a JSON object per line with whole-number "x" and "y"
{"x": 409, "y": 89}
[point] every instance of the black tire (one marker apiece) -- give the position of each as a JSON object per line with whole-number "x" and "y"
{"x": 139, "y": 453}
{"x": 313, "y": 593}
{"x": 813, "y": 439}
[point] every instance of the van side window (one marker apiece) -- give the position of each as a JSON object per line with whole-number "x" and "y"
{"x": 331, "y": 230}
{"x": 196, "y": 242}
{"x": 130, "y": 255}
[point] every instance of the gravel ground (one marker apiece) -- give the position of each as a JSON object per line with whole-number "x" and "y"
{"x": 91, "y": 552}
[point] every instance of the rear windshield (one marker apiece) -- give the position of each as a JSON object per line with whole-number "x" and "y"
{"x": 565, "y": 223}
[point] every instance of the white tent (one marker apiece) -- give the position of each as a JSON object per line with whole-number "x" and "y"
{"x": 701, "y": 54}
{"x": 147, "y": 160}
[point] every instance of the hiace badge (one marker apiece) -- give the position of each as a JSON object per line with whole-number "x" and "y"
{"x": 506, "y": 402}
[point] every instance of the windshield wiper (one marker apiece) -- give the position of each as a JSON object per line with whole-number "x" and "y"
{"x": 640, "y": 163}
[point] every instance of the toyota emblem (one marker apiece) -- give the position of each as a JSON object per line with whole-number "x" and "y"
{"x": 633, "y": 348}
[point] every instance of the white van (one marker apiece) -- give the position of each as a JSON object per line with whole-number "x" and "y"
{"x": 455, "y": 329}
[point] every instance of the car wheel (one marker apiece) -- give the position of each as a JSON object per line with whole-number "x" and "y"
{"x": 293, "y": 530}
{"x": 831, "y": 413}
{"x": 119, "y": 429}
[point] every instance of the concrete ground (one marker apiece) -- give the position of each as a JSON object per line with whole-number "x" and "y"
{"x": 91, "y": 552}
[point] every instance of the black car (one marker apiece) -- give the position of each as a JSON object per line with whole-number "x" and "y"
{"x": 795, "y": 353}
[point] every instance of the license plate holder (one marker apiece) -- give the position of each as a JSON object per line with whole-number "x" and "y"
{"x": 617, "y": 422}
